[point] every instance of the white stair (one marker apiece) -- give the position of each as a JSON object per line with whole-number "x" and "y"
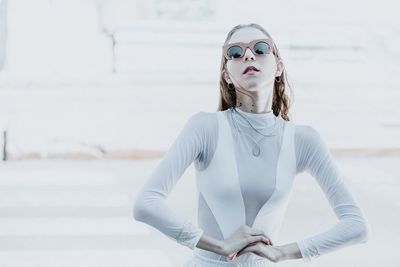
{"x": 65, "y": 215}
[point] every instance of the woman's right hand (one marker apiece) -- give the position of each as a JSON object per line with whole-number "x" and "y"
{"x": 241, "y": 238}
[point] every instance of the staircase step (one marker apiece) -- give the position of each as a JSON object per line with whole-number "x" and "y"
{"x": 87, "y": 258}
{"x": 63, "y": 198}
{"x": 71, "y": 226}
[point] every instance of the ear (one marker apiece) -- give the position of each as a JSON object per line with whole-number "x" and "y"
{"x": 279, "y": 69}
{"x": 226, "y": 77}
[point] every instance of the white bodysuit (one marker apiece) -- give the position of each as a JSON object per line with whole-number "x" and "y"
{"x": 234, "y": 187}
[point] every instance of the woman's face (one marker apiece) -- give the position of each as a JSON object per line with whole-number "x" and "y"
{"x": 266, "y": 64}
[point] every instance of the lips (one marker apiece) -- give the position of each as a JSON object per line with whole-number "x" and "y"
{"x": 250, "y": 68}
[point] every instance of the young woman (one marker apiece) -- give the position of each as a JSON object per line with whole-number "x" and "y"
{"x": 246, "y": 155}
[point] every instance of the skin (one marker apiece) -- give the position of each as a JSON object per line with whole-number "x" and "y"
{"x": 255, "y": 88}
{"x": 254, "y": 94}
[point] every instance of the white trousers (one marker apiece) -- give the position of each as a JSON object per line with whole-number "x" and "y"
{"x": 201, "y": 261}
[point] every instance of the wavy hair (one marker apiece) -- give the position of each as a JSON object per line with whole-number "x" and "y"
{"x": 281, "y": 101}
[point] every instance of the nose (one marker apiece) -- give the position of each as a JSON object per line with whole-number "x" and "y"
{"x": 248, "y": 55}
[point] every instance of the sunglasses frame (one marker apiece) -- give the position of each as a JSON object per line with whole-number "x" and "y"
{"x": 244, "y": 46}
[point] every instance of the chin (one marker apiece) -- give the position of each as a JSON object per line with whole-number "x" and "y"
{"x": 251, "y": 86}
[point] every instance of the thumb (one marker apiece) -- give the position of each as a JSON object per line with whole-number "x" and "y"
{"x": 251, "y": 248}
{"x": 232, "y": 256}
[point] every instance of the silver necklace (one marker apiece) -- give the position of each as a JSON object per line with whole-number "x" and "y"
{"x": 256, "y": 151}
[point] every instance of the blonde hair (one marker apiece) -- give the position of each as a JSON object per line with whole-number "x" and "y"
{"x": 280, "y": 99}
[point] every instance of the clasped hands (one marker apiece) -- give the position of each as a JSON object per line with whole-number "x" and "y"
{"x": 247, "y": 239}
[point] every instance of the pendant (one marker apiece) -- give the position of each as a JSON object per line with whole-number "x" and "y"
{"x": 256, "y": 151}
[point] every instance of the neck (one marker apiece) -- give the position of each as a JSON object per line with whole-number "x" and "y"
{"x": 254, "y": 101}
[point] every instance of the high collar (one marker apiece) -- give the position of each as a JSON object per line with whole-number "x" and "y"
{"x": 264, "y": 116}
{"x": 258, "y": 120}
{"x": 263, "y": 123}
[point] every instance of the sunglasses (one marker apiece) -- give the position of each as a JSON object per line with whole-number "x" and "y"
{"x": 237, "y": 50}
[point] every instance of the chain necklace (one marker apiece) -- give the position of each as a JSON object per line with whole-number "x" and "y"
{"x": 256, "y": 149}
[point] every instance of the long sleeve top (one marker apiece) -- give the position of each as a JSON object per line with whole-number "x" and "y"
{"x": 196, "y": 143}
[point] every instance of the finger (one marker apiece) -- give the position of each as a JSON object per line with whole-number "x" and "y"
{"x": 241, "y": 251}
{"x": 270, "y": 242}
{"x": 261, "y": 238}
{"x": 247, "y": 249}
{"x": 255, "y": 231}
{"x": 232, "y": 256}
{"x": 267, "y": 241}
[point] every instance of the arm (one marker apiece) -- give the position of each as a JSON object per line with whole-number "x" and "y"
{"x": 314, "y": 156}
{"x": 150, "y": 204}
{"x": 209, "y": 243}
{"x": 289, "y": 252}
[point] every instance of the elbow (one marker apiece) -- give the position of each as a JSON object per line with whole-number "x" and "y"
{"x": 362, "y": 234}
{"x": 139, "y": 210}
{"x": 146, "y": 206}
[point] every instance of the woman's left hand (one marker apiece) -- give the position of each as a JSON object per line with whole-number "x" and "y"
{"x": 272, "y": 253}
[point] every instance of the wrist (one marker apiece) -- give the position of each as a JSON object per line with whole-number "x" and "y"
{"x": 211, "y": 244}
{"x": 220, "y": 248}
{"x": 289, "y": 251}
{"x": 282, "y": 253}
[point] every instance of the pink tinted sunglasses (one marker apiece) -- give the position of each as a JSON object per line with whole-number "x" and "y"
{"x": 237, "y": 50}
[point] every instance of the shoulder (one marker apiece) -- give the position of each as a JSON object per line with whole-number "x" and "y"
{"x": 302, "y": 132}
{"x": 202, "y": 122}
{"x": 309, "y": 138}
{"x": 306, "y": 132}
{"x": 311, "y": 149}
{"x": 202, "y": 119}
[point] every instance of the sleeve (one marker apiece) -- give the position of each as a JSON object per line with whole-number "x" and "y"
{"x": 150, "y": 205}
{"x": 315, "y": 157}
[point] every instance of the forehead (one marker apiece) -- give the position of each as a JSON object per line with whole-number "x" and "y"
{"x": 246, "y": 35}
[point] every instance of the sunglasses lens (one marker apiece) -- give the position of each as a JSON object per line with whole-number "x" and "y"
{"x": 234, "y": 52}
{"x": 262, "y": 48}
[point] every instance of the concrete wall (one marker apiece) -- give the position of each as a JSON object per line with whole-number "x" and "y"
{"x": 3, "y": 32}
{"x": 80, "y": 75}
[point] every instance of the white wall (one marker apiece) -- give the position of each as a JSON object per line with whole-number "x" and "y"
{"x": 3, "y": 32}
{"x": 111, "y": 73}
{"x": 48, "y": 39}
